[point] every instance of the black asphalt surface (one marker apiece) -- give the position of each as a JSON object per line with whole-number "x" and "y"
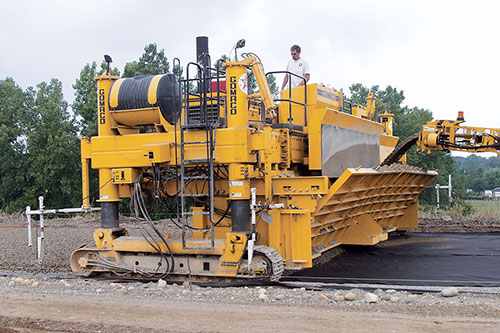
{"x": 439, "y": 259}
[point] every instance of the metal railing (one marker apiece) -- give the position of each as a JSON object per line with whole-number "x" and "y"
{"x": 42, "y": 211}
{"x": 289, "y": 100}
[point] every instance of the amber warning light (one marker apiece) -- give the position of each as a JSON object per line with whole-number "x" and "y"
{"x": 460, "y": 116}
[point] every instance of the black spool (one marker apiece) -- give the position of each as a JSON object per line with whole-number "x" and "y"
{"x": 133, "y": 94}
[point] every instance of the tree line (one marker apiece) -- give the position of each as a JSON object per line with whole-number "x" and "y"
{"x": 480, "y": 173}
{"x": 39, "y": 132}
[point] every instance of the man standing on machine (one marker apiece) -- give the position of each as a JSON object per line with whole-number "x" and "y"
{"x": 297, "y": 66}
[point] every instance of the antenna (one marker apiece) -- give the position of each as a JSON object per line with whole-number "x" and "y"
{"x": 108, "y": 59}
{"x": 239, "y": 45}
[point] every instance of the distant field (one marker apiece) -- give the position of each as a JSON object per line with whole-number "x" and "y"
{"x": 483, "y": 207}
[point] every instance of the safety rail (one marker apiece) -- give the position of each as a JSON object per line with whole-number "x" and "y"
{"x": 290, "y": 100}
{"x": 42, "y": 211}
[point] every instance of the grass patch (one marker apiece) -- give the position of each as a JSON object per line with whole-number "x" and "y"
{"x": 471, "y": 209}
{"x": 487, "y": 208}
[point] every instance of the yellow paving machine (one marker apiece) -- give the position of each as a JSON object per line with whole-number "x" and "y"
{"x": 258, "y": 186}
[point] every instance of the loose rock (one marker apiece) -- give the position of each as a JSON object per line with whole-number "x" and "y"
{"x": 449, "y": 292}
{"x": 208, "y": 293}
{"x": 161, "y": 283}
{"x": 395, "y": 299}
{"x": 64, "y": 283}
{"x": 263, "y": 297}
{"x": 350, "y": 296}
{"x": 279, "y": 297}
{"x": 371, "y": 298}
{"x": 323, "y": 298}
{"x": 339, "y": 298}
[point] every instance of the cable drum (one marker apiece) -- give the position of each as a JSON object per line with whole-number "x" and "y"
{"x": 146, "y": 92}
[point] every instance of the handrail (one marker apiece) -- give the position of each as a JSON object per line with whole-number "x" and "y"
{"x": 289, "y": 100}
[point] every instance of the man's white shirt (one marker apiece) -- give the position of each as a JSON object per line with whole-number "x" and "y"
{"x": 299, "y": 67}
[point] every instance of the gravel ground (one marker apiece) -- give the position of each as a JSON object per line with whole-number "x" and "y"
{"x": 63, "y": 236}
{"x": 448, "y": 224}
{"x": 21, "y": 276}
{"x": 463, "y": 303}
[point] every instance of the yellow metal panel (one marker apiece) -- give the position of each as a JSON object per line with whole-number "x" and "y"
{"x": 408, "y": 221}
{"x": 319, "y": 117}
{"x": 124, "y": 175}
{"x": 125, "y": 190}
{"x": 233, "y": 251}
{"x": 85, "y": 160}
{"x": 138, "y": 244}
{"x": 153, "y": 88}
{"x": 300, "y": 236}
{"x": 314, "y": 138}
{"x": 105, "y": 122}
{"x": 363, "y": 231}
{"x": 198, "y": 222}
{"x": 157, "y": 152}
{"x": 361, "y": 196}
{"x": 237, "y": 85}
{"x": 108, "y": 192}
{"x": 387, "y": 144}
{"x": 136, "y": 117}
{"x": 312, "y": 185}
{"x": 239, "y": 184}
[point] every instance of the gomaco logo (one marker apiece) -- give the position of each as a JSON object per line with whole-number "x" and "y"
{"x": 232, "y": 94}
{"x": 102, "y": 109}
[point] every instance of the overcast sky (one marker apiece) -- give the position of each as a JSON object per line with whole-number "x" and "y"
{"x": 443, "y": 54}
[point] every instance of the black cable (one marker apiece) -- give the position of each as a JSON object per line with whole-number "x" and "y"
{"x": 139, "y": 208}
{"x": 90, "y": 194}
{"x": 215, "y": 224}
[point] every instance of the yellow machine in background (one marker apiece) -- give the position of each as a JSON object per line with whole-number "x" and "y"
{"x": 449, "y": 135}
{"x": 263, "y": 186}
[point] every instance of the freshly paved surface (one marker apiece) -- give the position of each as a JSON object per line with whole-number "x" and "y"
{"x": 421, "y": 259}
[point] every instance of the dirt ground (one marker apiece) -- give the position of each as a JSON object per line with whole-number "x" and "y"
{"x": 44, "y": 304}
{"x": 111, "y": 313}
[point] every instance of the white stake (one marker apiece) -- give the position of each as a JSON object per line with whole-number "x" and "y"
{"x": 28, "y": 217}
{"x": 42, "y": 230}
{"x": 251, "y": 241}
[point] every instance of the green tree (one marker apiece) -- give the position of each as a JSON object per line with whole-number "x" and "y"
{"x": 14, "y": 103}
{"x": 152, "y": 61}
{"x": 52, "y": 149}
{"x": 475, "y": 180}
{"x": 492, "y": 178}
{"x": 85, "y": 103}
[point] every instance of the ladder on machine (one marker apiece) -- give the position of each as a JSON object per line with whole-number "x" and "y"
{"x": 197, "y": 119}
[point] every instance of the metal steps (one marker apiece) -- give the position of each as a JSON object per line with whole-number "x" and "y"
{"x": 199, "y": 121}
